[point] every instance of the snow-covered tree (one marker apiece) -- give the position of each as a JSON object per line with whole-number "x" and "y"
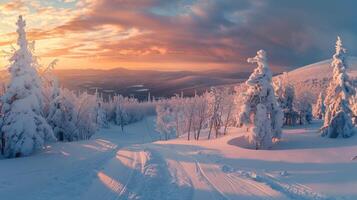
{"x": 338, "y": 116}
{"x": 303, "y": 107}
{"x": 319, "y": 107}
{"x": 164, "y": 121}
{"x": 227, "y": 108}
{"x": 73, "y": 117}
{"x": 261, "y": 114}
{"x": 201, "y": 114}
{"x": 62, "y": 116}
{"x": 121, "y": 117}
{"x": 176, "y": 105}
{"x": 189, "y": 112}
{"x": 285, "y": 94}
{"x": 215, "y": 104}
{"x": 24, "y": 129}
{"x": 101, "y": 115}
{"x": 85, "y": 116}
{"x": 50, "y": 87}
{"x": 354, "y": 109}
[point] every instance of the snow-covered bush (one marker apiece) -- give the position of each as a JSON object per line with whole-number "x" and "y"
{"x": 24, "y": 129}
{"x": 261, "y": 114}
{"x": 338, "y": 116}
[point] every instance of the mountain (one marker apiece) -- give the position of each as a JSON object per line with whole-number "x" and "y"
{"x": 139, "y": 82}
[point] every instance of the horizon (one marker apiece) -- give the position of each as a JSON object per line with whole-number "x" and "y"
{"x": 181, "y": 35}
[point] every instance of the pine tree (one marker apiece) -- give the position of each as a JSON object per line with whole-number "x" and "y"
{"x": 261, "y": 113}
{"x": 24, "y": 129}
{"x": 319, "y": 107}
{"x": 337, "y": 121}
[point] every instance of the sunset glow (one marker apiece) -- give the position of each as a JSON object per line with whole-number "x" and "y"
{"x": 169, "y": 35}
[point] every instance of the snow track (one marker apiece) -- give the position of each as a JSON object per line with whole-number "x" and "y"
{"x": 128, "y": 166}
{"x": 137, "y": 173}
{"x": 290, "y": 189}
{"x": 152, "y": 180}
{"x": 216, "y": 192}
{"x": 232, "y": 187}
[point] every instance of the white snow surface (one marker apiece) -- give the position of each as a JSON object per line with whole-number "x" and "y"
{"x": 320, "y": 70}
{"x": 132, "y": 165}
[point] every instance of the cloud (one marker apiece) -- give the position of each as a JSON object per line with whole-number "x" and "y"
{"x": 13, "y": 5}
{"x": 204, "y": 32}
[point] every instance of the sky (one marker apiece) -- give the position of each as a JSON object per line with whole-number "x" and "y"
{"x": 180, "y": 34}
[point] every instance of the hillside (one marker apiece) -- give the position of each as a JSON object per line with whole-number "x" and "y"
{"x": 315, "y": 77}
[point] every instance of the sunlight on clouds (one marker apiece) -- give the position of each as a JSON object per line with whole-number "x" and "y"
{"x": 107, "y": 33}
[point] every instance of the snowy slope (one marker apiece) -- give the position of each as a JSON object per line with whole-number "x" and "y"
{"x": 320, "y": 70}
{"x": 315, "y": 77}
{"x": 117, "y": 165}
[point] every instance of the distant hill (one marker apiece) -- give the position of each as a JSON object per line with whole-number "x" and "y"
{"x": 139, "y": 82}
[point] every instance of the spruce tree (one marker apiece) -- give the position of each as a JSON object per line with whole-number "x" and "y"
{"x": 338, "y": 116}
{"x": 261, "y": 114}
{"x": 24, "y": 129}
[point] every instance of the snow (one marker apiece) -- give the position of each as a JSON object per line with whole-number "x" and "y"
{"x": 320, "y": 70}
{"x": 134, "y": 165}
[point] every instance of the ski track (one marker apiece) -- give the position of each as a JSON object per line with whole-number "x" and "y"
{"x": 75, "y": 179}
{"x": 235, "y": 185}
{"x": 216, "y": 191}
{"x": 227, "y": 184}
{"x": 126, "y": 170}
{"x": 290, "y": 189}
{"x": 151, "y": 179}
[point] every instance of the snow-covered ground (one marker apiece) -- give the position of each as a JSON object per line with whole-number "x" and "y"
{"x": 117, "y": 165}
